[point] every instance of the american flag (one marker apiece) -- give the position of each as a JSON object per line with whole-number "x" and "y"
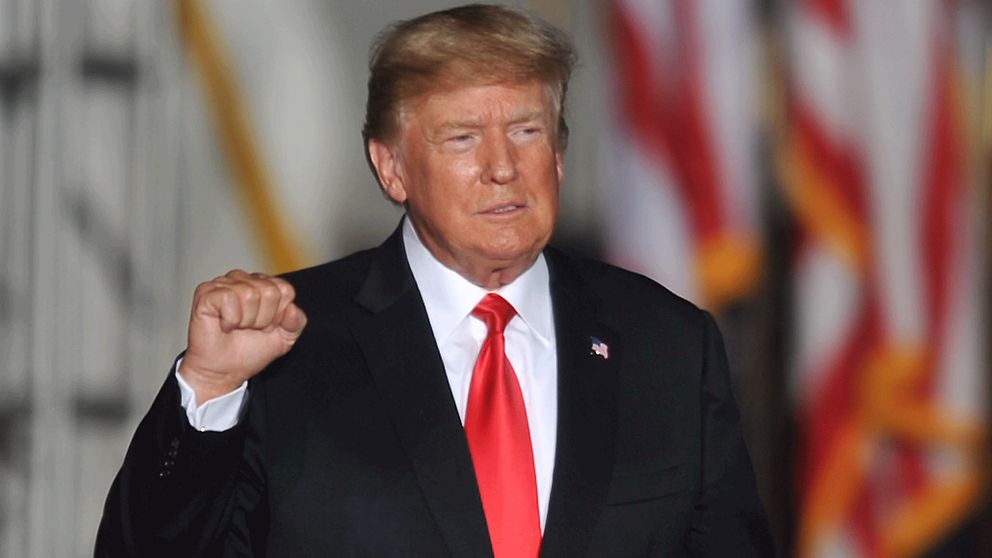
{"x": 599, "y": 348}
{"x": 887, "y": 373}
{"x": 678, "y": 166}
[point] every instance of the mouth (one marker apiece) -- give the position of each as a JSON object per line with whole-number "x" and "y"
{"x": 503, "y": 209}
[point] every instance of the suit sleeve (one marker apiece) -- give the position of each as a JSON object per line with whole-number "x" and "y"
{"x": 728, "y": 519}
{"x": 181, "y": 492}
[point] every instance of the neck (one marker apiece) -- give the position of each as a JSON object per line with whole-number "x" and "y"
{"x": 484, "y": 272}
{"x": 496, "y": 278}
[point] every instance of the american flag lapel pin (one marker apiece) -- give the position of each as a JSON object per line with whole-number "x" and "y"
{"x": 599, "y": 348}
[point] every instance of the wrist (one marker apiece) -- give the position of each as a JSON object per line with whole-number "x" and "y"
{"x": 206, "y": 385}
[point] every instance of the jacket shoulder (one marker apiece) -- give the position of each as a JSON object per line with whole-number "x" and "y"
{"x": 331, "y": 283}
{"x": 621, "y": 291}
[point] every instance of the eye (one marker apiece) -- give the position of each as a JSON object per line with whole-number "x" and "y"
{"x": 527, "y": 133}
{"x": 460, "y": 141}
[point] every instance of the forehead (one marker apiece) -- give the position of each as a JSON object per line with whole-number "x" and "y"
{"x": 480, "y": 104}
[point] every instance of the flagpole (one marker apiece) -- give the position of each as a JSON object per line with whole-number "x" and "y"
{"x": 280, "y": 247}
{"x": 771, "y": 307}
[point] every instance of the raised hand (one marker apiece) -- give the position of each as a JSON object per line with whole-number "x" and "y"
{"x": 240, "y": 323}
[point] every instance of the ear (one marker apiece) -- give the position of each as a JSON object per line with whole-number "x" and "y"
{"x": 386, "y": 162}
{"x": 560, "y": 165}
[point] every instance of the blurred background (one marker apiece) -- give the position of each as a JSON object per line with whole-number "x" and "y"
{"x": 815, "y": 172}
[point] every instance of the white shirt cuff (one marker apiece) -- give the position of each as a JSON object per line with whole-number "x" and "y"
{"x": 215, "y": 415}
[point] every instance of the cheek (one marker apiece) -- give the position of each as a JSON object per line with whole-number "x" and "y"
{"x": 450, "y": 177}
{"x": 461, "y": 171}
{"x": 550, "y": 182}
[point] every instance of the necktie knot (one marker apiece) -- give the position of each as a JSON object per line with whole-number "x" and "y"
{"x": 495, "y": 311}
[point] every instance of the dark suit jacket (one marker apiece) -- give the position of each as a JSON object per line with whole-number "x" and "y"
{"x": 351, "y": 444}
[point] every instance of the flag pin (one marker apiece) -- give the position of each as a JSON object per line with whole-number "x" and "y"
{"x": 599, "y": 348}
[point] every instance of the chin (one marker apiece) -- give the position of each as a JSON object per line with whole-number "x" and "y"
{"x": 514, "y": 253}
{"x": 514, "y": 243}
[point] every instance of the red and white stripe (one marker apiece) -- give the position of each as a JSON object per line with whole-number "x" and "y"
{"x": 679, "y": 181}
{"x": 887, "y": 366}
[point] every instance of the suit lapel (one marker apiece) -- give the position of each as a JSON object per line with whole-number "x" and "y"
{"x": 394, "y": 334}
{"x": 587, "y": 386}
{"x": 396, "y": 339}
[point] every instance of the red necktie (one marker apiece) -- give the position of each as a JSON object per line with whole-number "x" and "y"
{"x": 499, "y": 439}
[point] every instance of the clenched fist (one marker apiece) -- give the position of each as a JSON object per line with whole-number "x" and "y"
{"x": 239, "y": 324}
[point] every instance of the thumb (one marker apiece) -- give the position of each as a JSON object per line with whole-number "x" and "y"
{"x": 293, "y": 321}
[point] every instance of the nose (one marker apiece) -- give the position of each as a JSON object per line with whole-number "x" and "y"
{"x": 499, "y": 165}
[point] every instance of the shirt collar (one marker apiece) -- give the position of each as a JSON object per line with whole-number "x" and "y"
{"x": 450, "y": 298}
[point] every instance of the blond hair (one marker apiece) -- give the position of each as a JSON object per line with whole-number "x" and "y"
{"x": 467, "y": 45}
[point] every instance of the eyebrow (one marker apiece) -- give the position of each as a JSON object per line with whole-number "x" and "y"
{"x": 528, "y": 116}
{"x": 457, "y": 124}
{"x": 477, "y": 122}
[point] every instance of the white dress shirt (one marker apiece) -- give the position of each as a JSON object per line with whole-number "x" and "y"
{"x": 449, "y": 299}
{"x": 530, "y": 343}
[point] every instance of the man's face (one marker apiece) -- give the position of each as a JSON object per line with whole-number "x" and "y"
{"x": 479, "y": 170}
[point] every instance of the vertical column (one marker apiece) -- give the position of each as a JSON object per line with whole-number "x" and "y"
{"x": 99, "y": 196}
{"x": 90, "y": 94}
{"x": 18, "y": 78}
{"x": 50, "y": 448}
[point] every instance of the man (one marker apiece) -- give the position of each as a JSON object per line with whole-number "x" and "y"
{"x": 461, "y": 390}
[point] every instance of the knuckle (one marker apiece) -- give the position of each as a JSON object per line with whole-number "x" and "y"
{"x": 226, "y": 296}
{"x": 202, "y": 289}
{"x": 236, "y": 273}
{"x": 269, "y": 292}
{"x": 285, "y": 287}
{"x": 250, "y": 294}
